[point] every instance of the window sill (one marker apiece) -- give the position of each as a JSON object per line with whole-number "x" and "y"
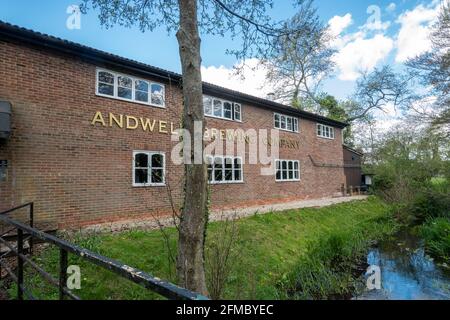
{"x": 129, "y": 100}
{"x": 220, "y": 118}
{"x": 226, "y": 182}
{"x": 325, "y": 138}
{"x": 285, "y": 130}
{"x": 148, "y": 185}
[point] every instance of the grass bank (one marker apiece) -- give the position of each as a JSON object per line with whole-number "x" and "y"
{"x": 305, "y": 253}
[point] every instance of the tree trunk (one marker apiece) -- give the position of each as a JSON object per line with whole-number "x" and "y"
{"x": 190, "y": 259}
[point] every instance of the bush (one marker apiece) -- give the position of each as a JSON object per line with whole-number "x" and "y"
{"x": 436, "y": 233}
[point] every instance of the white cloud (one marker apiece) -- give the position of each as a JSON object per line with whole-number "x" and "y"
{"x": 362, "y": 54}
{"x": 360, "y": 50}
{"x": 251, "y": 80}
{"x": 338, "y": 24}
{"x": 391, "y": 7}
{"x": 413, "y": 37}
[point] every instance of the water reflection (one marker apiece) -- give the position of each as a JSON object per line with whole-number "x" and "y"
{"x": 407, "y": 273}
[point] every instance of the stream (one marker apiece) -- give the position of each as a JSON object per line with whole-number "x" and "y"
{"x": 407, "y": 272}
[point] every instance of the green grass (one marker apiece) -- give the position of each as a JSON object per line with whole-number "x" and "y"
{"x": 275, "y": 255}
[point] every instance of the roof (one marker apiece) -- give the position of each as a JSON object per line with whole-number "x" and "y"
{"x": 15, "y": 33}
{"x": 359, "y": 153}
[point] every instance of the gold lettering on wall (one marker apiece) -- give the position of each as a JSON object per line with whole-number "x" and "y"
{"x": 135, "y": 120}
{"x": 98, "y": 118}
{"x": 132, "y": 123}
{"x": 163, "y": 126}
{"x": 113, "y": 118}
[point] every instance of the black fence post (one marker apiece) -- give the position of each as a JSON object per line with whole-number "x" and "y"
{"x": 31, "y": 225}
{"x": 62, "y": 272}
{"x": 19, "y": 264}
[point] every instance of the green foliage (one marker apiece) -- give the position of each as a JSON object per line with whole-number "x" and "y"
{"x": 269, "y": 252}
{"x": 436, "y": 233}
{"x": 334, "y": 264}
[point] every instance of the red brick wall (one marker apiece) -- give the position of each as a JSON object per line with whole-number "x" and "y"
{"x": 79, "y": 174}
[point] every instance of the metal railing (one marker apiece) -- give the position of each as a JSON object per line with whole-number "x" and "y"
{"x": 28, "y": 233}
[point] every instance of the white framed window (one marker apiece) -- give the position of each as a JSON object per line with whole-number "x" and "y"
{"x": 325, "y": 131}
{"x": 224, "y": 169}
{"x": 148, "y": 168}
{"x": 287, "y": 170}
{"x": 286, "y": 123}
{"x": 218, "y": 108}
{"x": 124, "y": 87}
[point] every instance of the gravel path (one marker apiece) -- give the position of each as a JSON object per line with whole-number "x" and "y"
{"x": 217, "y": 215}
{"x": 314, "y": 203}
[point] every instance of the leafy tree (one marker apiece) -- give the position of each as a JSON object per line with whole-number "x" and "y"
{"x": 377, "y": 89}
{"x": 432, "y": 69}
{"x": 300, "y": 60}
{"x": 244, "y": 20}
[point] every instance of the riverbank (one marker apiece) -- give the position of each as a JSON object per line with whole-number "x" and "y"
{"x": 302, "y": 253}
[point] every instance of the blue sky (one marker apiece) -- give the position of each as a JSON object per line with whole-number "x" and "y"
{"x": 399, "y": 33}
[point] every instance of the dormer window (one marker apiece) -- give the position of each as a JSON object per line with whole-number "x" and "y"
{"x": 124, "y": 87}
{"x": 223, "y": 109}
{"x": 286, "y": 123}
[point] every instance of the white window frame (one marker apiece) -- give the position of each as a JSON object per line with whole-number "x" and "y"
{"x": 287, "y": 165}
{"x": 292, "y": 119}
{"x": 222, "y": 101}
{"x": 133, "y": 88}
{"x": 223, "y": 181}
{"x": 149, "y": 168}
{"x": 321, "y": 130}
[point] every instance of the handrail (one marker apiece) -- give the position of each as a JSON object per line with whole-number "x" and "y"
{"x": 166, "y": 289}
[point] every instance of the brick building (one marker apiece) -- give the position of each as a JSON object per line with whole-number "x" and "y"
{"x": 90, "y": 138}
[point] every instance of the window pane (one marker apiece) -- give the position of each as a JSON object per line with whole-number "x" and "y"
{"x": 218, "y": 108}
{"x": 106, "y": 77}
{"x": 124, "y": 93}
{"x": 284, "y": 165}
{"x": 289, "y": 123}
{"x": 285, "y": 175}
{"x": 218, "y": 165}
{"x": 278, "y": 176}
{"x": 141, "y": 96}
{"x": 106, "y": 89}
{"x": 141, "y": 160}
{"x": 141, "y": 175}
{"x": 228, "y": 175}
{"x": 237, "y": 163}
{"x": 124, "y": 82}
{"x": 296, "y": 165}
{"x": 157, "y": 161}
{"x": 237, "y": 111}
{"x": 319, "y": 132}
{"x": 227, "y": 110}
{"x": 157, "y": 175}
{"x": 290, "y": 165}
{"x": 295, "y": 125}
{"x": 277, "y": 121}
{"x": 291, "y": 174}
{"x": 210, "y": 174}
{"x": 207, "y": 105}
{"x": 141, "y": 85}
{"x": 283, "y": 122}
{"x": 296, "y": 174}
{"x": 157, "y": 94}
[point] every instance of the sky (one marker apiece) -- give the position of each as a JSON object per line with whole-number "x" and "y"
{"x": 368, "y": 34}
